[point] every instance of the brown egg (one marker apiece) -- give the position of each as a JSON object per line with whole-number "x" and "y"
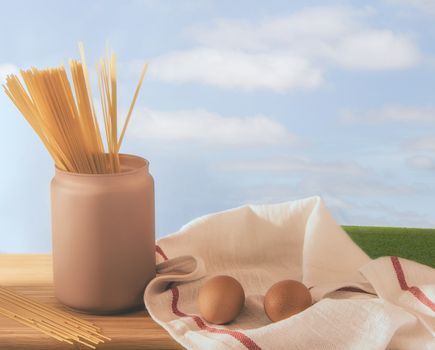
{"x": 221, "y": 299}
{"x": 285, "y": 299}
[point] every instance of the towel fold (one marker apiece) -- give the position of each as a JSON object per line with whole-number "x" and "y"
{"x": 359, "y": 303}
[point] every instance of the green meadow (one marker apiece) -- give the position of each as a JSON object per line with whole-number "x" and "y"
{"x": 416, "y": 244}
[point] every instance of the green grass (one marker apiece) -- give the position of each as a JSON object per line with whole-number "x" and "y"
{"x": 416, "y": 244}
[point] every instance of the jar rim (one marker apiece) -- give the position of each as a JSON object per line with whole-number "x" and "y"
{"x": 125, "y": 158}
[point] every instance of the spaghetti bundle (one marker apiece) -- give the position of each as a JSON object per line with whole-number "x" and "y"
{"x": 52, "y": 322}
{"x": 63, "y": 114}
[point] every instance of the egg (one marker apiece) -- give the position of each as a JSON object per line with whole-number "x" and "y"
{"x": 285, "y": 299}
{"x": 221, "y": 299}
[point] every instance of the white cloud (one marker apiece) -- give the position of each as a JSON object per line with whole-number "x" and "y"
{"x": 391, "y": 113}
{"x": 375, "y": 50}
{"x": 236, "y": 69}
{"x": 301, "y": 29}
{"x": 423, "y": 162}
{"x": 208, "y": 127}
{"x": 6, "y": 69}
{"x": 285, "y": 52}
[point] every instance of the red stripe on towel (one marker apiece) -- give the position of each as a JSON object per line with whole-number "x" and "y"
{"x": 242, "y": 338}
{"x": 417, "y": 292}
{"x": 161, "y": 253}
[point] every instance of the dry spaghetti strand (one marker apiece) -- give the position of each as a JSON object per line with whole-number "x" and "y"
{"x": 136, "y": 94}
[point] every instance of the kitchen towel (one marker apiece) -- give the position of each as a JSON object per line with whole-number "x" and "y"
{"x": 359, "y": 303}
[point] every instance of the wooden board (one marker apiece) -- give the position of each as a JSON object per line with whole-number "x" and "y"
{"x": 31, "y": 275}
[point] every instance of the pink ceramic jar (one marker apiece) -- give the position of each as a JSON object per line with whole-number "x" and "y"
{"x": 103, "y": 237}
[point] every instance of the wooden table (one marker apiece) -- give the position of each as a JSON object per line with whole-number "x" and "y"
{"x": 31, "y": 275}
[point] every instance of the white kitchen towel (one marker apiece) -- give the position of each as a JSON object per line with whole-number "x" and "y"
{"x": 359, "y": 303}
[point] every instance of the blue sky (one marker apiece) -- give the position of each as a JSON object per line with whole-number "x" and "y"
{"x": 245, "y": 102}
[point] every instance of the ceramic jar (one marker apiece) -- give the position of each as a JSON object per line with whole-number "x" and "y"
{"x": 103, "y": 237}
